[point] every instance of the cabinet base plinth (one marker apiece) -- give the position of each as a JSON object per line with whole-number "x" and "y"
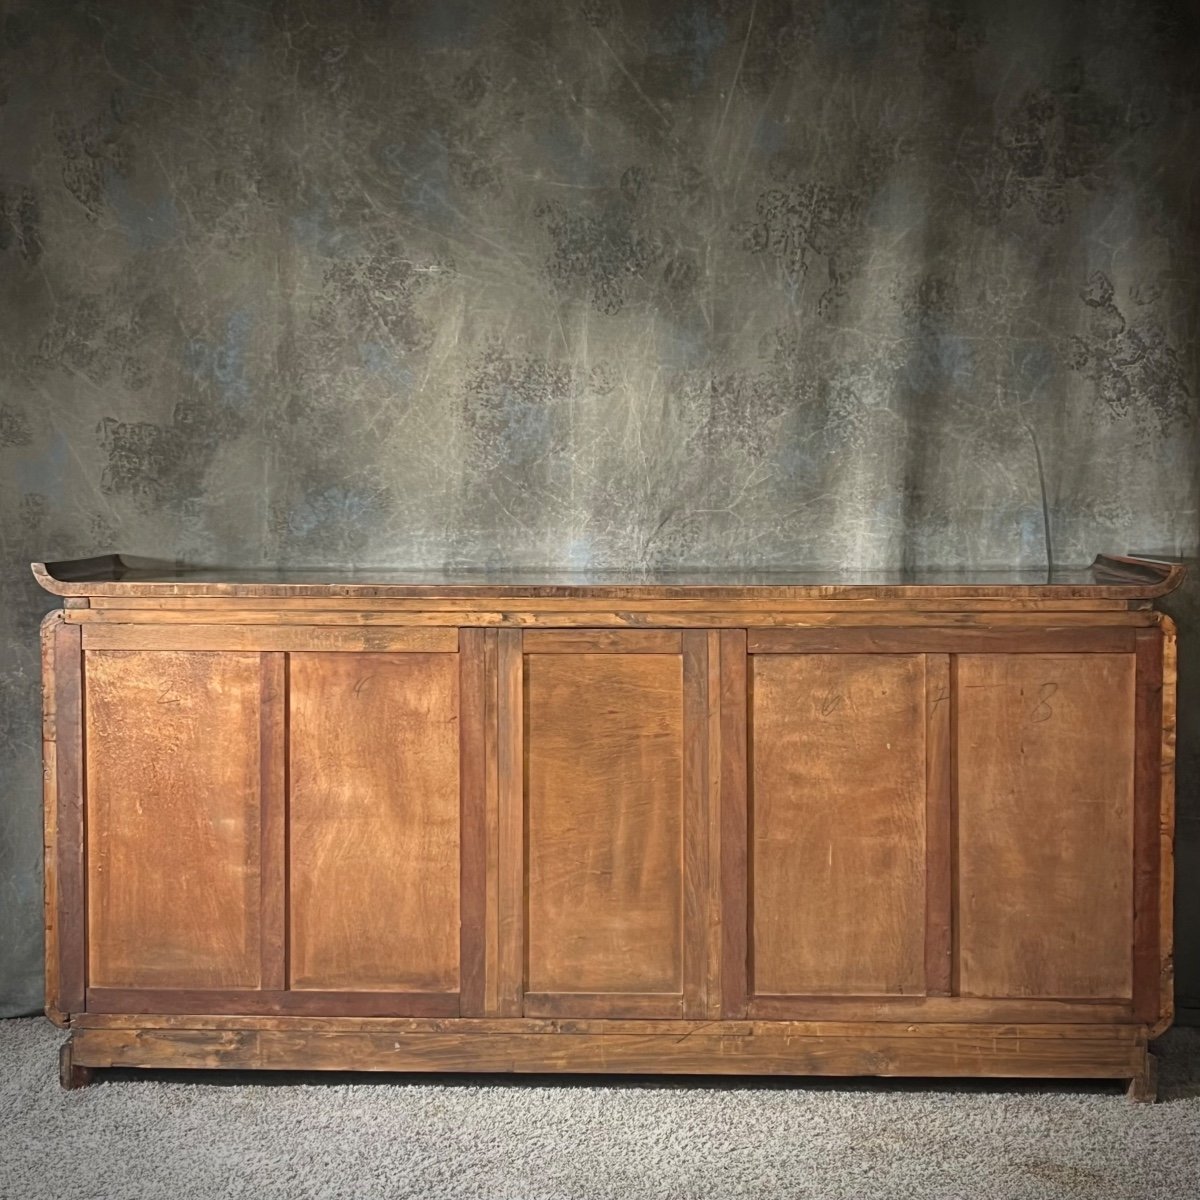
{"x": 1075, "y": 1052}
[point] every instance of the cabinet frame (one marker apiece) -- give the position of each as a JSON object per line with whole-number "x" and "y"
{"x": 492, "y": 1023}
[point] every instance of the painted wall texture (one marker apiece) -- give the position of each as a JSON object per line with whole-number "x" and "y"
{"x": 587, "y": 282}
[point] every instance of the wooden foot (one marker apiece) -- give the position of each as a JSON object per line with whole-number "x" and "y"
{"x": 1143, "y": 1087}
{"x": 71, "y": 1076}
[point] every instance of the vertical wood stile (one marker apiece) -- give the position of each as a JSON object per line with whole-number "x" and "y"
{"x": 1147, "y": 807}
{"x": 70, "y": 817}
{"x": 491, "y": 951}
{"x": 472, "y": 776}
{"x": 273, "y": 888}
{"x": 1166, "y": 830}
{"x": 713, "y": 818}
{"x": 510, "y": 956}
{"x": 695, "y": 823}
{"x": 939, "y": 880}
{"x": 735, "y": 877}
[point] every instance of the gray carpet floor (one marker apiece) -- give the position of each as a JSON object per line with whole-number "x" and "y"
{"x": 211, "y": 1134}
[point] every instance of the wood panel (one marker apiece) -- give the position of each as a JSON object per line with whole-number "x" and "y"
{"x": 374, "y": 822}
{"x": 1045, "y": 764}
{"x": 174, "y": 852}
{"x": 838, "y": 824}
{"x": 604, "y": 777}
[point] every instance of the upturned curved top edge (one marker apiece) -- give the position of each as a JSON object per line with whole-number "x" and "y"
{"x": 1110, "y": 576}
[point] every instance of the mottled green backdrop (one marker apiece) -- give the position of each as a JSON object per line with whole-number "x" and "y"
{"x": 586, "y": 282}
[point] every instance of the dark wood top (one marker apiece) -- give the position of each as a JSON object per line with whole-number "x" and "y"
{"x": 1108, "y": 577}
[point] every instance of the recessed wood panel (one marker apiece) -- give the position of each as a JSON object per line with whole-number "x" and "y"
{"x": 604, "y": 762}
{"x": 374, "y": 822}
{"x": 173, "y": 833}
{"x": 837, "y": 843}
{"x": 1045, "y": 824}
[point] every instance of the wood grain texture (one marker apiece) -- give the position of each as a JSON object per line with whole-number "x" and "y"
{"x": 713, "y": 816}
{"x": 878, "y": 639}
{"x": 604, "y": 776}
{"x": 273, "y": 851}
{"x": 963, "y": 1054}
{"x": 838, "y": 824}
{"x": 602, "y": 641}
{"x": 174, "y": 841}
{"x": 696, "y": 862}
{"x": 734, "y": 834}
{"x": 227, "y": 637}
{"x": 473, "y": 820}
{"x": 68, "y": 936}
{"x": 1147, "y": 786}
{"x": 940, "y": 865}
{"x": 1045, "y": 824}
{"x": 374, "y": 830}
{"x": 1166, "y": 831}
{"x": 1127, "y": 1034}
{"x": 510, "y": 844}
{"x": 263, "y": 1002}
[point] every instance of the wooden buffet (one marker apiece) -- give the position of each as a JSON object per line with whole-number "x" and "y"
{"x": 784, "y": 824}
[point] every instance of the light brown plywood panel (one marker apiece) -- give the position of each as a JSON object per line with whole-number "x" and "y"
{"x": 837, "y": 845}
{"x": 374, "y": 822}
{"x": 173, "y": 837}
{"x": 604, "y": 755}
{"x": 1045, "y": 824}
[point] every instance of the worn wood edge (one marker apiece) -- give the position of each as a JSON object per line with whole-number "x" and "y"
{"x": 939, "y": 832}
{"x": 962, "y": 1009}
{"x": 1143, "y": 1083}
{"x": 604, "y": 1004}
{"x": 736, "y": 883}
{"x": 50, "y": 821}
{"x": 1159, "y": 577}
{"x": 1166, "y": 831}
{"x": 955, "y": 1056}
{"x": 273, "y": 820}
{"x": 1124, "y": 1033}
{"x": 422, "y": 639}
{"x": 511, "y": 850}
{"x": 1149, "y": 723}
{"x": 712, "y": 802}
{"x": 69, "y": 801}
{"x": 649, "y": 619}
{"x": 993, "y": 638}
{"x": 263, "y": 1002}
{"x": 472, "y": 781}
{"x": 694, "y": 943}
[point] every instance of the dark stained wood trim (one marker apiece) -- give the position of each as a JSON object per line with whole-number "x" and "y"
{"x": 736, "y": 884}
{"x": 268, "y": 1003}
{"x": 510, "y": 899}
{"x": 273, "y": 821}
{"x": 473, "y": 820}
{"x": 939, "y": 703}
{"x": 71, "y": 817}
{"x": 1147, "y": 793}
{"x": 1098, "y": 639}
{"x": 957, "y": 1054}
{"x": 603, "y": 641}
{"x": 695, "y": 822}
{"x": 603, "y": 1004}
